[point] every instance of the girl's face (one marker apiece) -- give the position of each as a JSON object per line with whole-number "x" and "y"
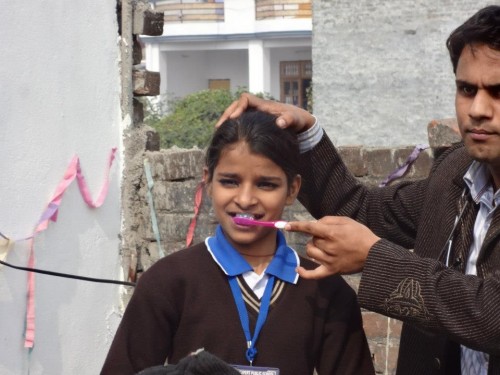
{"x": 252, "y": 184}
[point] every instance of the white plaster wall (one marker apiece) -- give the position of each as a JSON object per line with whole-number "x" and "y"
{"x": 59, "y": 96}
{"x": 189, "y": 71}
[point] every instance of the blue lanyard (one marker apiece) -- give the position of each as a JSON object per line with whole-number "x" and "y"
{"x": 251, "y": 352}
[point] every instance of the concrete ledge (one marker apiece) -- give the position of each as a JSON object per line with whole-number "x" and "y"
{"x": 145, "y": 83}
{"x": 443, "y": 133}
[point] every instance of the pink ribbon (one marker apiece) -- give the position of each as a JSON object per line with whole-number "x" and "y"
{"x": 50, "y": 214}
{"x": 198, "y": 195}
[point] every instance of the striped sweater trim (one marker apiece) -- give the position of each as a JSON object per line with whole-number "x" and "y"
{"x": 251, "y": 299}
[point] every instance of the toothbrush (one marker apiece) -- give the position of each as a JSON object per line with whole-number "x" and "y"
{"x": 280, "y": 224}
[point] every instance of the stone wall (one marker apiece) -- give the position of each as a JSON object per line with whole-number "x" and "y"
{"x": 176, "y": 175}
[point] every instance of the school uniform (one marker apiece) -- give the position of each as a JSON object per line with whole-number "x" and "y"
{"x": 185, "y": 302}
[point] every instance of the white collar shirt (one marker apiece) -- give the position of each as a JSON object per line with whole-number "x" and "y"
{"x": 478, "y": 180}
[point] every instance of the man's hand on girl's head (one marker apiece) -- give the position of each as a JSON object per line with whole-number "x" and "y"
{"x": 287, "y": 115}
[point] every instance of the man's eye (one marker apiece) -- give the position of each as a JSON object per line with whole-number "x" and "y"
{"x": 467, "y": 90}
{"x": 495, "y": 92}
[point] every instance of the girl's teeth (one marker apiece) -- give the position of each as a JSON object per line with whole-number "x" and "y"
{"x": 246, "y": 216}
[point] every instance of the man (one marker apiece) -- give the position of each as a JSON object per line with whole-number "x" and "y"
{"x": 429, "y": 250}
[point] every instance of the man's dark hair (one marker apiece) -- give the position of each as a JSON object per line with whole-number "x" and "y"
{"x": 482, "y": 28}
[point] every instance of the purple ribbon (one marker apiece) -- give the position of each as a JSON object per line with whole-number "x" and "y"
{"x": 400, "y": 171}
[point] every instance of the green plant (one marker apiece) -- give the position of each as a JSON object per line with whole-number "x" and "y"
{"x": 309, "y": 96}
{"x": 190, "y": 121}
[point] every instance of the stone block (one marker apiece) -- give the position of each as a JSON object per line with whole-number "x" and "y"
{"x": 173, "y": 196}
{"x": 148, "y": 22}
{"x": 177, "y": 164}
{"x": 173, "y": 226}
{"x": 354, "y": 160}
{"x": 144, "y": 224}
{"x": 136, "y": 51}
{"x": 297, "y": 241}
{"x": 205, "y": 227}
{"x": 138, "y": 111}
{"x": 395, "y": 329}
{"x": 419, "y": 168}
{"x": 422, "y": 165}
{"x": 392, "y": 358}
{"x": 152, "y": 141}
{"x": 375, "y": 325}
{"x": 378, "y": 351}
{"x": 379, "y": 161}
{"x": 151, "y": 255}
{"x": 145, "y": 83}
{"x": 384, "y": 358}
{"x": 443, "y": 133}
{"x": 171, "y": 247}
{"x": 296, "y": 211}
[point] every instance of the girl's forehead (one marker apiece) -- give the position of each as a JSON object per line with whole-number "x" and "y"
{"x": 239, "y": 156}
{"x": 234, "y": 148}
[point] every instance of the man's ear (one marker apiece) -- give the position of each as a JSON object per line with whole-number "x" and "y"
{"x": 293, "y": 190}
{"x": 208, "y": 185}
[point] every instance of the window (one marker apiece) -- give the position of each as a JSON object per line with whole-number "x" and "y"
{"x": 216, "y": 84}
{"x": 295, "y": 78}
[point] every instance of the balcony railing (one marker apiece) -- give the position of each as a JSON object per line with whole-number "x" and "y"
{"x": 213, "y": 10}
{"x": 272, "y": 9}
{"x": 191, "y": 10}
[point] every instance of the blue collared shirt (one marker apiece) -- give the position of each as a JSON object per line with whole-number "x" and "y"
{"x": 282, "y": 266}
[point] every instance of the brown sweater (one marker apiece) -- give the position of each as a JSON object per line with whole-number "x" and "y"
{"x": 440, "y": 307}
{"x": 184, "y": 302}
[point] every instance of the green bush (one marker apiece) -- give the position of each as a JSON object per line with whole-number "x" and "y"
{"x": 191, "y": 120}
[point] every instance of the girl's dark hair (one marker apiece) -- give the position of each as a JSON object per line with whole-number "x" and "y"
{"x": 260, "y": 132}
{"x": 482, "y": 28}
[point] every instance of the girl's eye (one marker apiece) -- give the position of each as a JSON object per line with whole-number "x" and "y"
{"x": 267, "y": 185}
{"x": 228, "y": 182}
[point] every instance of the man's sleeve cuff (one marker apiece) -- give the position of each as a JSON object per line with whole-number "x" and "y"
{"x": 311, "y": 137}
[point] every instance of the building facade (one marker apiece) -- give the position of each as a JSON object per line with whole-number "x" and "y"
{"x": 261, "y": 45}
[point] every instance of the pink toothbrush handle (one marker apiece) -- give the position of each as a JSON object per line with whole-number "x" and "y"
{"x": 250, "y": 222}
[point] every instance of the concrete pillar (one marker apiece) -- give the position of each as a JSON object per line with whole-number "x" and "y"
{"x": 153, "y": 57}
{"x": 258, "y": 67}
{"x": 162, "y": 67}
{"x": 157, "y": 62}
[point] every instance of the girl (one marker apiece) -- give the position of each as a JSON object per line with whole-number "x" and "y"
{"x": 237, "y": 295}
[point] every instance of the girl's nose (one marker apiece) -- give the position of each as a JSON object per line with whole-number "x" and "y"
{"x": 245, "y": 197}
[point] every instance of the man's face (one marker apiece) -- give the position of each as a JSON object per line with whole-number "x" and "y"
{"x": 477, "y": 104}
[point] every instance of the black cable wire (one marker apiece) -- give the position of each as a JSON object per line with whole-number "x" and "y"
{"x": 69, "y": 276}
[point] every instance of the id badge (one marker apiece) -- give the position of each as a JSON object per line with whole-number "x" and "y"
{"x": 252, "y": 370}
